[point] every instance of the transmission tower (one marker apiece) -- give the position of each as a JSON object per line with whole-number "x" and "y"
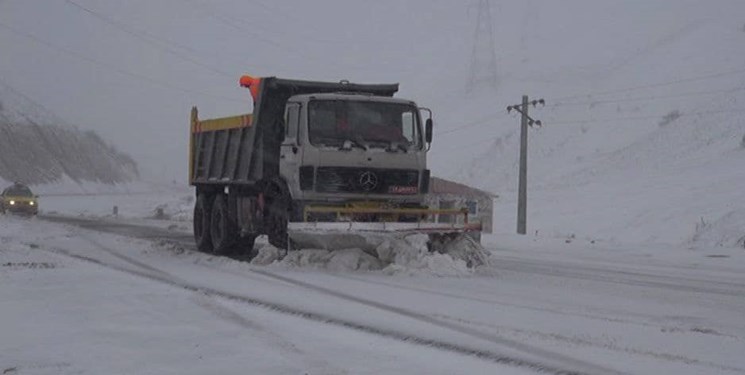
{"x": 483, "y": 68}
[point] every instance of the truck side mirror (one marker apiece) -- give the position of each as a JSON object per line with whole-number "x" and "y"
{"x": 428, "y": 130}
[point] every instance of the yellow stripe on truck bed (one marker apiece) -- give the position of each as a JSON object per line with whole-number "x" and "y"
{"x": 224, "y": 123}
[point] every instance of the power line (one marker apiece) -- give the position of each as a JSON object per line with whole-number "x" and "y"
{"x": 149, "y": 38}
{"x": 17, "y": 92}
{"x": 144, "y": 32}
{"x": 114, "y": 68}
{"x": 480, "y": 121}
{"x": 483, "y": 120}
{"x": 648, "y": 98}
{"x": 238, "y": 23}
{"x": 645, "y": 117}
{"x": 589, "y": 121}
{"x": 232, "y": 22}
{"x": 163, "y": 43}
{"x": 653, "y": 85}
{"x": 243, "y": 25}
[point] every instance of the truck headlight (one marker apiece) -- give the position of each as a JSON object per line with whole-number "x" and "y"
{"x": 12, "y": 203}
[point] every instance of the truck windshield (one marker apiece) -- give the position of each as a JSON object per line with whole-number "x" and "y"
{"x": 372, "y": 124}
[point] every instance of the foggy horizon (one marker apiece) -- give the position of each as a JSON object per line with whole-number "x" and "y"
{"x": 131, "y": 71}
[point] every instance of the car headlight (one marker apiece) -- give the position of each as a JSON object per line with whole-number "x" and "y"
{"x": 31, "y": 203}
{"x": 12, "y": 203}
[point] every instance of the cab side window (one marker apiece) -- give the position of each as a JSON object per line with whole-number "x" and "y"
{"x": 292, "y": 117}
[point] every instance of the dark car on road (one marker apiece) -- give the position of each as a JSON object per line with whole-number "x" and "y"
{"x": 18, "y": 198}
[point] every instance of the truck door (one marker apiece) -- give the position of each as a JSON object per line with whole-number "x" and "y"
{"x": 290, "y": 153}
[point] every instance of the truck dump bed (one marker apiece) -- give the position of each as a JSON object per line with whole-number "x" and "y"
{"x": 244, "y": 149}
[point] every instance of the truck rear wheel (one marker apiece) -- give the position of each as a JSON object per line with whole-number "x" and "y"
{"x": 202, "y": 215}
{"x": 222, "y": 229}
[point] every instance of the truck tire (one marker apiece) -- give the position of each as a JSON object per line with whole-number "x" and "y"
{"x": 222, "y": 229}
{"x": 202, "y": 215}
{"x": 276, "y": 220}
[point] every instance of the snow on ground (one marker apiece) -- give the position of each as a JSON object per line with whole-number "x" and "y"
{"x": 61, "y": 315}
{"x": 135, "y": 200}
{"x": 673, "y": 207}
{"x": 77, "y": 301}
{"x": 573, "y": 301}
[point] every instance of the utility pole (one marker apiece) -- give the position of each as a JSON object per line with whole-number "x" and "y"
{"x": 522, "y": 197}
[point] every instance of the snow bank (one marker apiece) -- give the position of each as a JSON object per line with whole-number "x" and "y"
{"x": 408, "y": 255}
{"x": 338, "y": 260}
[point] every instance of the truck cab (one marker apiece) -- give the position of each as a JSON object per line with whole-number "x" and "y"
{"x": 340, "y": 148}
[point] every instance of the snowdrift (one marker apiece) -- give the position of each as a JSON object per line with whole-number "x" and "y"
{"x": 406, "y": 255}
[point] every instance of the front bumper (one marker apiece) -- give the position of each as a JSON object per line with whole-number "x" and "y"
{"x": 23, "y": 208}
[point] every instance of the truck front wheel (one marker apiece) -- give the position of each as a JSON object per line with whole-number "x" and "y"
{"x": 276, "y": 222}
{"x": 202, "y": 215}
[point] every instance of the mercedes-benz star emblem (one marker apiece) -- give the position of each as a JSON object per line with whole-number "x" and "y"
{"x": 368, "y": 181}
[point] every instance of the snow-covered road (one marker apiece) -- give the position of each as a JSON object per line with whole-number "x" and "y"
{"x": 98, "y": 296}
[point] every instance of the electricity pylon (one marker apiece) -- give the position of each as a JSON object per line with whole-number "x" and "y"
{"x": 483, "y": 67}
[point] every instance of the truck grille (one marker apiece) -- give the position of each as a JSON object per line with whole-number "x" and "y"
{"x": 367, "y": 180}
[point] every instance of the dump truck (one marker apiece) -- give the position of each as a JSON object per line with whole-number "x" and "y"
{"x": 315, "y": 165}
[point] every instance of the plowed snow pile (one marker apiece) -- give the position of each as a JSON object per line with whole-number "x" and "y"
{"x": 406, "y": 255}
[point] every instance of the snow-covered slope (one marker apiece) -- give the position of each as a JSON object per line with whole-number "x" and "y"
{"x": 37, "y": 147}
{"x": 643, "y": 129}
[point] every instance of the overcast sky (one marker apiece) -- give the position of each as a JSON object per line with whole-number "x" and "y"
{"x": 131, "y": 70}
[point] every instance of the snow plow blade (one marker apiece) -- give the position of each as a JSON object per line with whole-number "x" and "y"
{"x": 445, "y": 238}
{"x": 367, "y": 236}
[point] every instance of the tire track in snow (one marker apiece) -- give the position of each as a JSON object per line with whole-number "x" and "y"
{"x": 572, "y": 362}
{"x": 327, "y": 319}
{"x": 618, "y": 276}
{"x": 555, "y": 337}
{"x": 608, "y": 344}
{"x": 566, "y": 365}
{"x": 602, "y": 314}
{"x": 601, "y": 317}
{"x": 223, "y": 312}
{"x": 207, "y": 302}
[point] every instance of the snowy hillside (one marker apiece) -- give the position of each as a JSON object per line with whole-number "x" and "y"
{"x": 36, "y": 148}
{"x": 643, "y": 136}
